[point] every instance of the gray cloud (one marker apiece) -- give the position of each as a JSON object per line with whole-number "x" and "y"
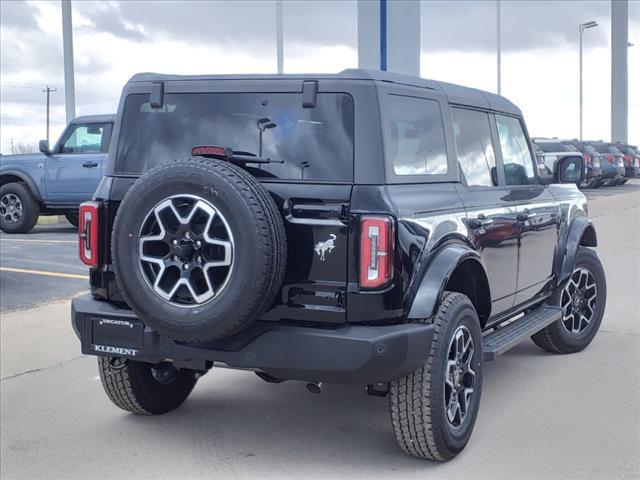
{"x": 17, "y": 15}
{"x": 471, "y": 25}
{"x": 106, "y": 17}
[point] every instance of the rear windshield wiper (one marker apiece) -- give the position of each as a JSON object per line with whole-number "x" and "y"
{"x": 230, "y": 155}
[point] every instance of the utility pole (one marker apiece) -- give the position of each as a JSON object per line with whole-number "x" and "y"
{"x": 499, "y": 42}
{"x": 48, "y": 91}
{"x": 67, "y": 47}
{"x": 279, "y": 36}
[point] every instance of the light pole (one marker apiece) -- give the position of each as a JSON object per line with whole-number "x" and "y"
{"x": 581, "y": 28}
{"x": 499, "y": 44}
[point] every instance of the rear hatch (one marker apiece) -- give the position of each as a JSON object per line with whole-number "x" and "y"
{"x": 309, "y": 141}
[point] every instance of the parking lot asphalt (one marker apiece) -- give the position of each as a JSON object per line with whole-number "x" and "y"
{"x": 40, "y": 267}
{"x": 542, "y": 415}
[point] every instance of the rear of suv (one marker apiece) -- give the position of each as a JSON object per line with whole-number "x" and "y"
{"x": 631, "y": 159}
{"x": 364, "y": 228}
{"x": 612, "y": 163}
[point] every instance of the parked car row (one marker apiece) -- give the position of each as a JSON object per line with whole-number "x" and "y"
{"x": 56, "y": 180}
{"x": 606, "y": 164}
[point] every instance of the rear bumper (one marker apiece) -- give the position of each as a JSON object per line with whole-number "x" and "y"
{"x": 349, "y": 354}
{"x": 631, "y": 172}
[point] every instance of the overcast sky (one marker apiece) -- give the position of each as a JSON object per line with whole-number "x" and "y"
{"x": 114, "y": 40}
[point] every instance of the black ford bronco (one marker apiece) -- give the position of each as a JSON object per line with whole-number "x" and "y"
{"x": 364, "y": 227}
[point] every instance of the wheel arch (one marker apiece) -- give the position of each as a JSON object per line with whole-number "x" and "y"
{"x": 10, "y": 176}
{"x": 454, "y": 267}
{"x": 582, "y": 233}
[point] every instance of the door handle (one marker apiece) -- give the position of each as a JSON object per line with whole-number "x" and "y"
{"x": 480, "y": 222}
{"x": 524, "y": 216}
{"x": 90, "y": 164}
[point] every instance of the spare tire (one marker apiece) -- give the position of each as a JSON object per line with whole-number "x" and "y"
{"x": 199, "y": 249}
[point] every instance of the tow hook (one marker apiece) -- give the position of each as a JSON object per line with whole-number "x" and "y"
{"x": 117, "y": 363}
{"x": 314, "y": 387}
{"x": 378, "y": 389}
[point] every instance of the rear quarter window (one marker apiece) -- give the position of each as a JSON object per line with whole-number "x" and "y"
{"x": 308, "y": 143}
{"x": 414, "y": 136}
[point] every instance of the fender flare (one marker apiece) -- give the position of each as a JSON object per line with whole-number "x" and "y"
{"x": 581, "y": 228}
{"x": 425, "y": 300}
{"x": 26, "y": 179}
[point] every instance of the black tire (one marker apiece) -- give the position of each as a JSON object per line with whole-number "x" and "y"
{"x": 133, "y": 387}
{"x": 73, "y": 218}
{"x": 258, "y": 233}
{"x": 417, "y": 401}
{"x": 30, "y": 209}
{"x": 593, "y": 183}
{"x": 556, "y": 337}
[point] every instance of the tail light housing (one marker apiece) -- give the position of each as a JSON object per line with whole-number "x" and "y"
{"x": 588, "y": 159}
{"x": 376, "y": 251}
{"x": 88, "y": 233}
{"x": 611, "y": 158}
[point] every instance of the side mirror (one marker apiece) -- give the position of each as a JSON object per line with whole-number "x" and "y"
{"x": 570, "y": 170}
{"x": 43, "y": 146}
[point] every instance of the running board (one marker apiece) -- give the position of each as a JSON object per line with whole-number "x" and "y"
{"x": 505, "y": 338}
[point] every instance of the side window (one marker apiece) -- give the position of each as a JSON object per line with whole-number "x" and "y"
{"x": 518, "y": 164}
{"x": 84, "y": 139}
{"x": 476, "y": 157}
{"x": 415, "y": 140}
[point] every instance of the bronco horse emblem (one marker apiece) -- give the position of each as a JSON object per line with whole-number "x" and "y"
{"x": 325, "y": 247}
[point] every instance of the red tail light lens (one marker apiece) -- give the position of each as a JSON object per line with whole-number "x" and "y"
{"x": 611, "y": 158}
{"x": 376, "y": 251}
{"x": 88, "y": 233}
{"x": 588, "y": 159}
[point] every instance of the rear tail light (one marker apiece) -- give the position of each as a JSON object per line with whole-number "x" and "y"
{"x": 611, "y": 158}
{"x": 588, "y": 159}
{"x": 376, "y": 251}
{"x": 88, "y": 233}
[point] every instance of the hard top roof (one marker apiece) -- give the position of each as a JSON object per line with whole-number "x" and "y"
{"x": 110, "y": 118}
{"x": 457, "y": 94}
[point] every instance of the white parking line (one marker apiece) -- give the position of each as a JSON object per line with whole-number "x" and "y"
{"x": 35, "y": 240}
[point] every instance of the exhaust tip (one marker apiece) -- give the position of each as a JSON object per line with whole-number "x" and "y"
{"x": 314, "y": 387}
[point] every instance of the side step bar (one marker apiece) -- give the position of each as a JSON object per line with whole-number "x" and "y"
{"x": 505, "y": 338}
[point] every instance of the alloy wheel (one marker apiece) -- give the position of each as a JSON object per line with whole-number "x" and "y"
{"x": 459, "y": 376}
{"x": 11, "y": 208}
{"x": 578, "y": 300}
{"x": 186, "y": 250}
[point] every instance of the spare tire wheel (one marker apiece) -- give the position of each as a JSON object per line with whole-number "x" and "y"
{"x": 199, "y": 249}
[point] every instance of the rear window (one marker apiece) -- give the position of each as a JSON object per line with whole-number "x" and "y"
{"x": 604, "y": 148}
{"x": 552, "y": 146}
{"x": 311, "y": 143}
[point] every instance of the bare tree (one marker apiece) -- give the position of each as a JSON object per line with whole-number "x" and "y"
{"x": 25, "y": 148}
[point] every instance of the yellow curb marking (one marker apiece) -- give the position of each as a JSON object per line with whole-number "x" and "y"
{"x": 44, "y": 272}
